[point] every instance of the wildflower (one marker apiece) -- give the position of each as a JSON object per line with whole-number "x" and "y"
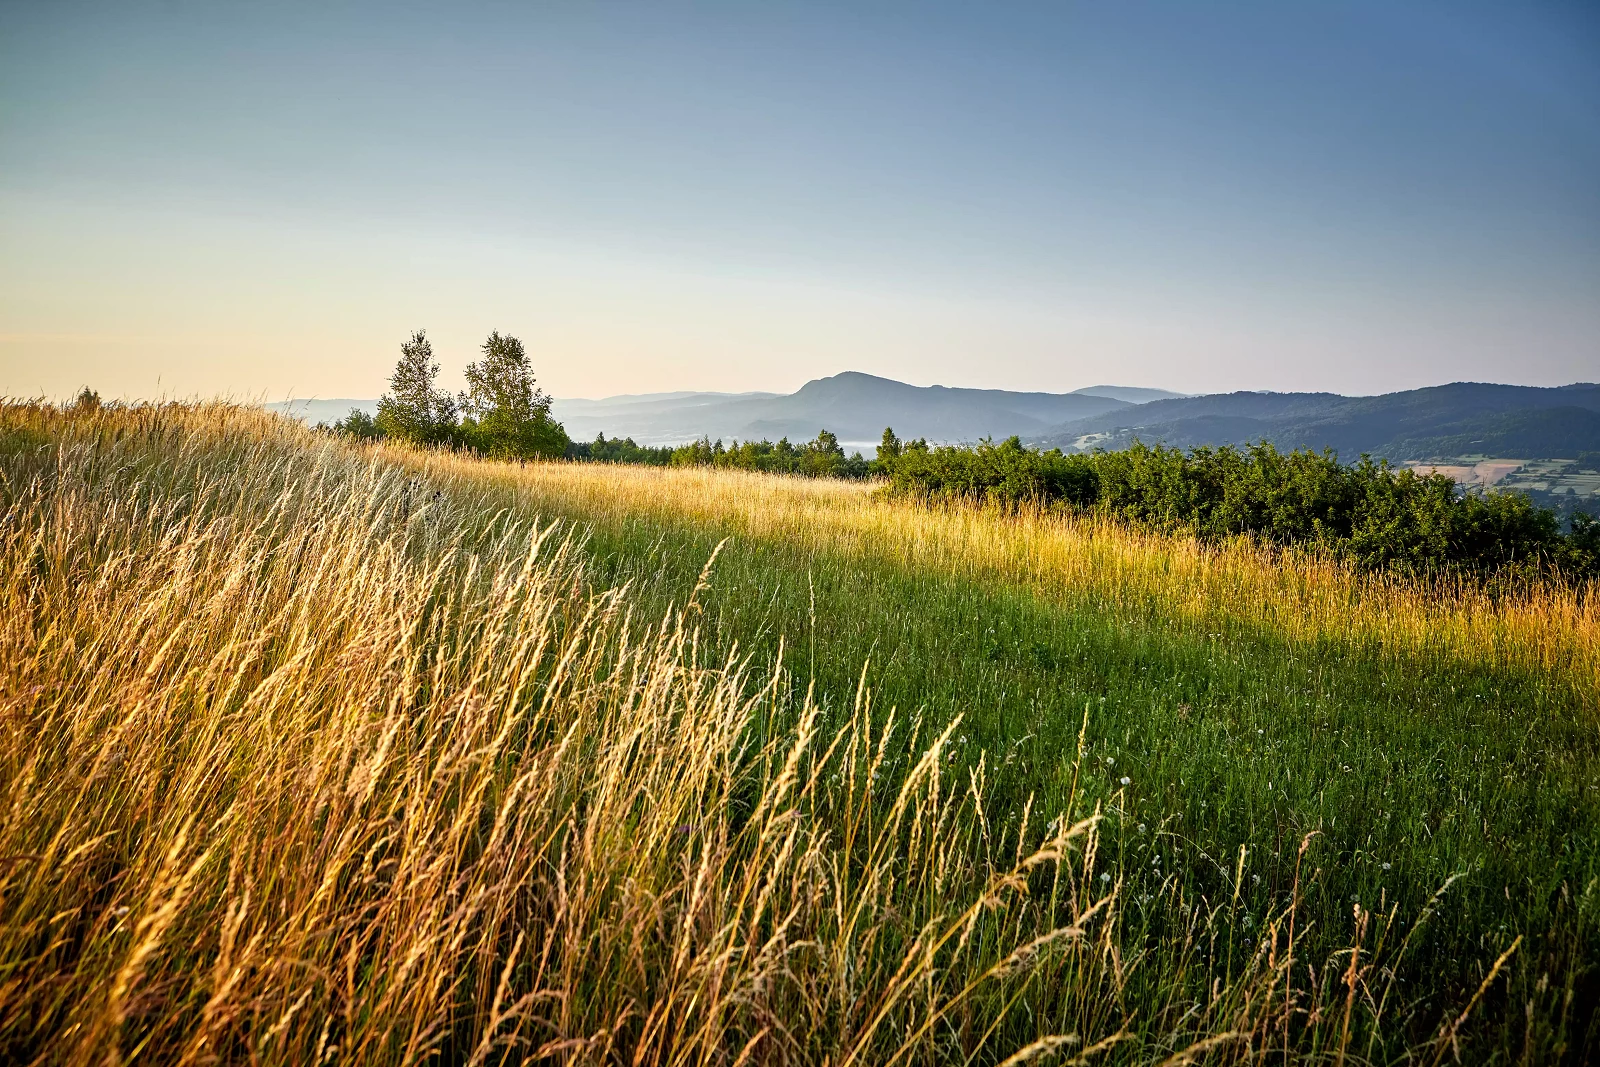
{"x": 1105, "y": 876}
{"x": 1386, "y": 866}
{"x": 1125, "y": 780}
{"x": 1141, "y": 828}
{"x": 1255, "y": 879}
{"x": 1111, "y": 761}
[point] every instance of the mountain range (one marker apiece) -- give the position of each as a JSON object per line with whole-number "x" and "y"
{"x": 855, "y": 407}
{"x": 1463, "y": 418}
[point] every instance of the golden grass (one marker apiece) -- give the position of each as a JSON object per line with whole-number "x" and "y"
{"x": 296, "y": 769}
{"x": 304, "y": 760}
{"x": 1546, "y": 628}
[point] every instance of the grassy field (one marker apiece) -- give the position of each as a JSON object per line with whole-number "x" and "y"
{"x": 313, "y": 752}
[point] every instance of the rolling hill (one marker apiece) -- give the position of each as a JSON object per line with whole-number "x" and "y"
{"x": 1462, "y": 418}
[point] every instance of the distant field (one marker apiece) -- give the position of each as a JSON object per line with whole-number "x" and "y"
{"x": 309, "y": 746}
{"x": 1562, "y": 479}
{"x": 1480, "y": 473}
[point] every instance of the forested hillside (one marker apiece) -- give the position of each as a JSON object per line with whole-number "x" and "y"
{"x": 1446, "y": 420}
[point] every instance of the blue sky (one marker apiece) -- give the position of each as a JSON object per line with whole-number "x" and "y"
{"x": 265, "y": 199}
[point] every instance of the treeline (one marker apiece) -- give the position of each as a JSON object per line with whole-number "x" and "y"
{"x": 620, "y": 450}
{"x": 820, "y": 458}
{"x": 1369, "y": 513}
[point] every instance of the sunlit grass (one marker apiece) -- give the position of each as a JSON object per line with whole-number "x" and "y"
{"x": 1302, "y": 597}
{"x": 316, "y": 753}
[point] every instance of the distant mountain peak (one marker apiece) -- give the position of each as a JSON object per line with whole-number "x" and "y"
{"x": 1132, "y": 394}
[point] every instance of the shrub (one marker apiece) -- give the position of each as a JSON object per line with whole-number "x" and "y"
{"x": 1368, "y": 512}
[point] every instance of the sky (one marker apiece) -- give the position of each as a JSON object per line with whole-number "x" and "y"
{"x": 263, "y": 200}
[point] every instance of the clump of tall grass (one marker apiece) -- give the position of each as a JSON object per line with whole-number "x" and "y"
{"x": 304, "y": 759}
{"x": 301, "y": 767}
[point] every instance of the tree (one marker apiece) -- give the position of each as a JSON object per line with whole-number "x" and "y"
{"x": 414, "y": 410}
{"x": 823, "y": 458}
{"x": 357, "y": 424}
{"x": 507, "y": 415}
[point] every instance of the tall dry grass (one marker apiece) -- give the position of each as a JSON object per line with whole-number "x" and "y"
{"x": 301, "y": 768}
{"x": 305, "y": 760}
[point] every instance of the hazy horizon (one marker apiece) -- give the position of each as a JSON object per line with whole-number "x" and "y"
{"x": 264, "y": 202}
{"x": 375, "y": 395}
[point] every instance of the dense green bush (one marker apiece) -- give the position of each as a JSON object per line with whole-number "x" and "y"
{"x": 1368, "y": 512}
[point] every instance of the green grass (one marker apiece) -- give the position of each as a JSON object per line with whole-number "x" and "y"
{"x": 1412, "y": 770}
{"x": 268, "y": 700}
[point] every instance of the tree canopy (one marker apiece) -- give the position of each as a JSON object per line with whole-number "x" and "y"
{"x": 414, "y": 409}
{"x": 506, "y": 414}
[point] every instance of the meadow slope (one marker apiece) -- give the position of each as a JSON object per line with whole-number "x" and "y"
{"x": 313, "y": 751}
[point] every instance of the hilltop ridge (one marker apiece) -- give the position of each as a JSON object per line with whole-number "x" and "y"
{"x": 1415, "y": 424}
